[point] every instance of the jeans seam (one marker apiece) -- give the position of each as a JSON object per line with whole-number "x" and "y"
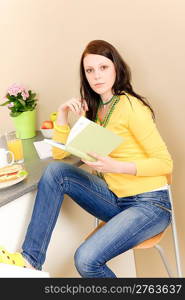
{"x": 162, "y": 207}
{"x": 46, "y": 234}
{"x": 92, "y": 191}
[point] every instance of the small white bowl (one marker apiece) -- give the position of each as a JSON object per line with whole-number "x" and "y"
{"x": 47, "y": 133}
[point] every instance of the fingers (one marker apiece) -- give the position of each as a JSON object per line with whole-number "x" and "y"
{"x": 95, "y": 155}
{"x": 84, "y": 105}
{"x": 74, "y": 105}
{"x": 77, "y": 106}
{"x": 98, "y": 164}
{"x": 94, "y": 164}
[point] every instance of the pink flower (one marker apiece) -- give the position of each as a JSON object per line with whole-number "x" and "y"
{"x": 14, "y": 89}
{"x": 14, "y": 98}
{"x": 11, "y": 104}
{"x": 25, "y": 94}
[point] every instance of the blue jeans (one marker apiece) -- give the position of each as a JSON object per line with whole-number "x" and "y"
{"x": 130, "y": 220}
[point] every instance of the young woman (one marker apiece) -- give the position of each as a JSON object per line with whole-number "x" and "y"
{"x": 127, "y": 189}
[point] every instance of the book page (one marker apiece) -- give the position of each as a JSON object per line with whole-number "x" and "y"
{"x": 43, "y": 149}
{"x": 55, "y": 144}
{"x": 77, "y": 128}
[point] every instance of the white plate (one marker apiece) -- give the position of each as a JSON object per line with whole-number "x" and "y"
{"x": 11, "y": 182}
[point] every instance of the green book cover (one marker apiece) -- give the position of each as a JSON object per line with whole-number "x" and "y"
{"x": 87, "y": 136}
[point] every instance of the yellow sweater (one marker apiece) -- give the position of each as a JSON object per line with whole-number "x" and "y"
{"x": 142, "y": 145}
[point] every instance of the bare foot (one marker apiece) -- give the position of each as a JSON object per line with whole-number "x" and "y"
{"x": 28, "y": 265}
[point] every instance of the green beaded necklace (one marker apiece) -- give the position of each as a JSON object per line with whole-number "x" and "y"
{"x": 105, "y": 103}
{"x": 104, "y": 122}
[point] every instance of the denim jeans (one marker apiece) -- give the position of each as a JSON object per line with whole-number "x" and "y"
{"x": 130, "y": 220}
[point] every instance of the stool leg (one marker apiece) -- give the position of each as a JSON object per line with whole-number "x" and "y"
{"x": 175, "y": 238}
{"x": 164, "y": 259}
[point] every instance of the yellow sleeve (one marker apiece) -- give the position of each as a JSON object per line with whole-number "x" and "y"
{"x": 60, "y": 135}
{"x": 158, "y": 161}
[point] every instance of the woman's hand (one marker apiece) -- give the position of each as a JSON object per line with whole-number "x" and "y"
{"x": 75, "y": 105}
{"x": 106, "y": 164}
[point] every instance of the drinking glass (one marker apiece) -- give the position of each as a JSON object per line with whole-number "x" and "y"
{"x": 15, "y": 145}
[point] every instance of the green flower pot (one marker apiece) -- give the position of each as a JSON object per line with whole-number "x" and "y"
{"x": 25, "y": 124}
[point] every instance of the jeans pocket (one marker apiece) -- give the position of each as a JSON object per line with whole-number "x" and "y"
{"x": 166, "y": 208}
{"x": 163, "y": 207}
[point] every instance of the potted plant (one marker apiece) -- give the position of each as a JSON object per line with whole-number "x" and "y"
{"x": 22, "y": 103}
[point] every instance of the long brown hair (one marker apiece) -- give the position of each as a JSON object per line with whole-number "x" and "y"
{"x": 122, "y": 82}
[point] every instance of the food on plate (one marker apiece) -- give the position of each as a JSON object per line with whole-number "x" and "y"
{"x": 53, "y": 116}
{"x": 47, "y": 124}
{"x": 12, "y": 172}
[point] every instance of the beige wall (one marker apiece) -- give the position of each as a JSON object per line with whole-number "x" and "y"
{"x": 41, "y": 43}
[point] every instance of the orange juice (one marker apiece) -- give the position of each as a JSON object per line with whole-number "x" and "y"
{"x": 16, "y": 147}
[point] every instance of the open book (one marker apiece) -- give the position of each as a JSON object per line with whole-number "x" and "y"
{"x": 87, "y": 136}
